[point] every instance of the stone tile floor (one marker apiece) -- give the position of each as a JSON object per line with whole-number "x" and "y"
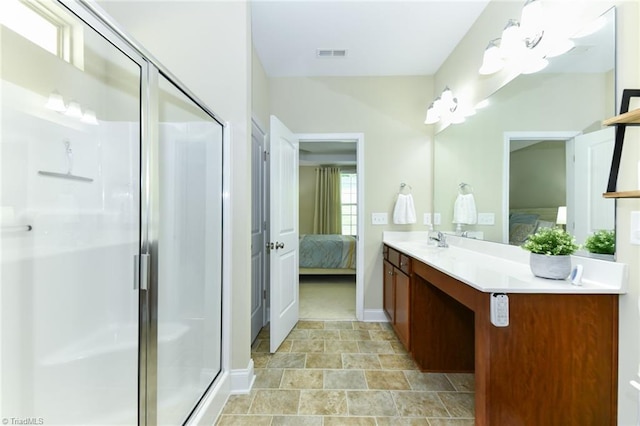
{"x": 347, "y": 373}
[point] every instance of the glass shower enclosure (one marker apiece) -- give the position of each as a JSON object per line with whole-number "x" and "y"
{"x": 111, "y": 226}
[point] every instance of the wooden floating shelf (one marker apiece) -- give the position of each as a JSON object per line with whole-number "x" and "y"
{"x": 631, "y": 117}
{"x": 622, "y": 194}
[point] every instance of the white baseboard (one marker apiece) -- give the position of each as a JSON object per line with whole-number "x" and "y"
{"x": 213, "y": 402}
{"x": 242, "y": 380}
{"x": 375, "y": 315}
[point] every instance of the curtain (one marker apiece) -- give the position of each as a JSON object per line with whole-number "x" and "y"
{"x": 327, "y": 218}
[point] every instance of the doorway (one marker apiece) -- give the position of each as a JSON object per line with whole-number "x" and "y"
{"x": 526, "y": 149}
{"x": 260, "y": 275}
{"x": 333, "y": 288}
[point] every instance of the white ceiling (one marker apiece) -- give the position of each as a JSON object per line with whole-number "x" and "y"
{"x": 381, "y": 37}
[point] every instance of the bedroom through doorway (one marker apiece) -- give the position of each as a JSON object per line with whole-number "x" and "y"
{"x": 328, "y": 226}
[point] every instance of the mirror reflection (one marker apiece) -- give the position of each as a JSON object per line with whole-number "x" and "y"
{"x": 537, "y": 155}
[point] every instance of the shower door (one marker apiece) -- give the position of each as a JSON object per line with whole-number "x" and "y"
{"x": 186, "y": 241}
{"x": 69, "y": 200}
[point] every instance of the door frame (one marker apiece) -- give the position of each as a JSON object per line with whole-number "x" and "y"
{"x": 257, "y": 127}
{"x": 565, "y": 137}
{"x": 358, "y": 138}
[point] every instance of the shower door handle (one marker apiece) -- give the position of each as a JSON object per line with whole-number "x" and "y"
{"x": 140, "y": 271}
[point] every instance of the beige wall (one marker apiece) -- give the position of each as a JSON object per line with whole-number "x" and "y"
{"x": 259, "y": 93}
{"x": 307, "y": 186}
{"x": 460, "y": 73}
{"x": 538, "y": 176}
{"x": 397, "y": 145}
{"x": 207, "y": 46}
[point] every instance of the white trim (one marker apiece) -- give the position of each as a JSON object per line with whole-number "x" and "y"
{"x": 359, "y": 139}
{"x": 374, "y": 315}
{"x": 507, "y": 137}
{"x": 242, "y": 380}
{"x": 212, "y": 403}
{"x": 266, "y": 287}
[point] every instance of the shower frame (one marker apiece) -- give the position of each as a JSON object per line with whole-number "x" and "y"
{"x": 146, "y": 268}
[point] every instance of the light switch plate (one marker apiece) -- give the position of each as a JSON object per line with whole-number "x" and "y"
{"x": 426, "y": 219}
{"x": 379, "y": 218}
{"x": 635, "y": 228}
{"x": 486, "y": 219}
{"x": 436, "y": 219}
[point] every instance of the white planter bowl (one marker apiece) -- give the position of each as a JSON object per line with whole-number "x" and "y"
{"x": 551, "y": 267}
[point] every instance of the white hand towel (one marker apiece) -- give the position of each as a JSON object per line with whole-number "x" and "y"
{"x": 404, "y": 211}
{"x": 400, "y": 210}
{"x": 411, "y": 210}
{"x": 464, "y": 209}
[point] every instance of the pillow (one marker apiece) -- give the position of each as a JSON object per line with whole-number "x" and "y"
{"x": 519, "y": 232}
{"x": 545, "y": 224}
{"x": 529, "y": 218}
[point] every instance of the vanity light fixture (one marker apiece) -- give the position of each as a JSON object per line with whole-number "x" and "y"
{"x": 55, "y": 102}
{"x": 492, "y": 60}
{"x": 525, "y": 45}
{"x": 89, "y": 117}
{"x": 448, "y": 109}
{"x": 73, "y": 110}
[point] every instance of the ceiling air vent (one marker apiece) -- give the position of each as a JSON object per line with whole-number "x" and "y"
{"x": 331, "y": 53}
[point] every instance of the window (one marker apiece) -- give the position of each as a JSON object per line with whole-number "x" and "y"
{"x": 349, "y": 202}
{"x": 38, "y": 24}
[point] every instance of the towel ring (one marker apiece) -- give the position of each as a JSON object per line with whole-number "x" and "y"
{"x": 404, "y": 185}
{"x": 465, "y": 188}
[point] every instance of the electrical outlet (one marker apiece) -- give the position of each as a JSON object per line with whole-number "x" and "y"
{"x": 486, "y": 219}
{"x": 426, "y": 219}
{"x": 436, "y": 219}
{"x": 635, "y": 228}
{"x": 379, "y": 218}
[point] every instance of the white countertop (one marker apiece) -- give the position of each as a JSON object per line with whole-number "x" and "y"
{"x": 491, "y": 267}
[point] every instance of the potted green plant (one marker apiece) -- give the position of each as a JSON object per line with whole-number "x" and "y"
{"x": 551, "y": 250}
{"x": 601, "y": 243}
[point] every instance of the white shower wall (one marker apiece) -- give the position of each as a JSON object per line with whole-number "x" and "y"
{"x": 69, "y": 310}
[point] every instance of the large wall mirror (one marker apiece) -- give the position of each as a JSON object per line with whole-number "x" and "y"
{"x": 537, "y": 150}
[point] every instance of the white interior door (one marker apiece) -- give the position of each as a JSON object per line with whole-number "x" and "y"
{"x": 283, "y": 253}
{"x": 258, "y": 230}
{"x": 593, "y": 152}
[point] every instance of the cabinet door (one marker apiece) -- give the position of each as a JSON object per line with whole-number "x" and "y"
{"x": 402, "y": 307}
{"x": 389, "y": 291}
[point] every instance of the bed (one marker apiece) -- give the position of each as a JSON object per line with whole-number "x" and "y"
{"x": 327, "y": 254}
{"x": 526, "y": 221}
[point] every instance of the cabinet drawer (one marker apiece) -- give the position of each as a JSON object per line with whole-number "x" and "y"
{"x": 385, "y": 252}
{"x": 394, "y": 257}
{"x": 405, "y": 264}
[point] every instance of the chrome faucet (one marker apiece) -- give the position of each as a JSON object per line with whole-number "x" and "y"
{"x": 440, "y": 238}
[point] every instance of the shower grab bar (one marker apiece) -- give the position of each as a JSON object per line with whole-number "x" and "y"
{"x": 18, "y": 228}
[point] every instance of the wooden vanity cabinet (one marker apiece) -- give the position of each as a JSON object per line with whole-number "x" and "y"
{"x": 397, "y": 293}
{"x": 554, "y": 364}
